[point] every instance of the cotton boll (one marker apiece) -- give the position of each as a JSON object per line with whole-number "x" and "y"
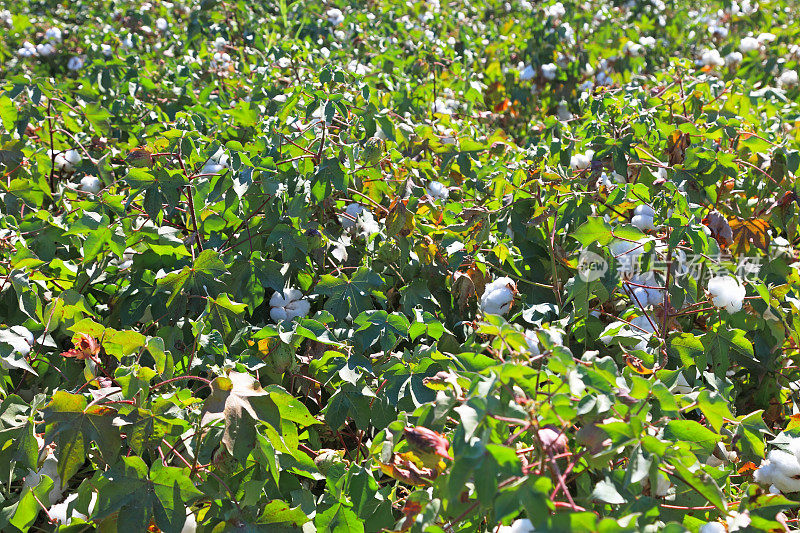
{"x": 712, "y": 58}
{"x": 49, "y": 468}
{"x": 90, "y": 184}
{"x": 549, "y": 71}
{"x": 190, "y": 526}
{"x": 53, "y": 35}
{"x": 288, "y": 304}
{"x": 45, "y": 49}
{"x": 498, "y": 296}
{"x": 335, "y": 16}
{"x": 351, "y": 214}
{"x": 734, "y": 58}
{"x": 59, "y": 511}
{"x": 563, "y": 113}
{"x": 727, "y": 292}
{"x": 162, "y": 24}
{"x": 766, "y": 37}
{"x": 523, "y": 525}
{"x": 68, "y": 160}
{"x": 788, "y": 79}
{"x": 581, "y": 161}
{"x": 75, "y": 63}
{"x": 749, "y": 44}
{"x": 438, "y": 191}
{"x": 27, "y": 50}
{"x": 712, "y": 527}
{"x": 106, "y": 49}
{"x": 644, "y": 223}
{"x": 527, "y": 73}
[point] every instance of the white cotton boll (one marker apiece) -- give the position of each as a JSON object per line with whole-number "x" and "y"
{"x": 335, "y": 16}
{"x": 49, "y": 468}
{"x": 350, "y": 216}
{"x": 712, "y": 58}
{"x": 644, "y": 210}
{"x": 563, "y": 113}
{"x": 127, "y": 42}
{"x": 190, "y": 526}
{"x": 527, "y": 73}
{"x": 75, "y": 63}
{"x": 555, "y": 11}
{"x": 90, "y": 184}
{"x": 45, "y": 49}
{"x": 727, "y": 292}
{"x": 106, "y": 49}
{"x": 162, "y": 24}
{"x": 523, "y": 525}
{"x": 288, "y": 304}
{"x": 220, "y": 43}
{"x": 53, "y": 35}
{"x": 647, "y": 41}
{"x": 734, "y": 58}
{"x": 643, "y": 222}
{"x": 748, "y": 44}
{"x": 632, "y": 48}
{"x": 712, "y": 527}
{"x": 765, "y": 37}
{"x": 58, "y": 511}
{"x": 498, "y": 296}
{"x": 643, "y": 329}
{"x": 549, "y": 71}
{"x": 581, "y": 161}
{"x": 788, "y": 78}
{"x": 438, "y": 191}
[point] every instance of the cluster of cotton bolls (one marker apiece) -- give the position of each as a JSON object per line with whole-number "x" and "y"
{"x": 727, "y": 292}
{"x": 634, "y": 48}
{"x": 780, "y": 471}
{"x": 498, "y": 296}
{"x": 288, "y": 304}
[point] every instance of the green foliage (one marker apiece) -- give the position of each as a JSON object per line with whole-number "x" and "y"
{"x": 400, "y": 267}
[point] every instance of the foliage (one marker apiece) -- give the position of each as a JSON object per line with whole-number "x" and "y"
{"x": 249, "y": 253}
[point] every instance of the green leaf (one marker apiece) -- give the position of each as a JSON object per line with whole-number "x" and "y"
{"x": 698, "y": 436}
{"x": 349, "y": 297}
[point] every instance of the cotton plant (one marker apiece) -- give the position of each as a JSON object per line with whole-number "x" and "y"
{"x": 498, "y": 296}
{"x": 727, "y": 292}
{"x": 288, "y": 304}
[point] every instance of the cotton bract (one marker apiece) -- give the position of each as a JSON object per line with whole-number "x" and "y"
{"x": 287, "y": 305}
{"x": 727, "y": 292}
{"x": 498, "y": 296}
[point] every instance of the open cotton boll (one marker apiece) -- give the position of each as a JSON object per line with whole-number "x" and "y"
{"x": 549, "y": 71}
{"x": 780, "y": 469}
{"x": 288, "y": 304}
{"x": 59, "y": 511}
{"x": 498, "y": 296}
{"x": 27, "y": 50}
{"x": 335, "y": 16}
{"x": 712, "y": 58}
{"x": 727, "y": 292}
{"x": 438, "y": 191}
{"x": 644, "y": 223}
{"x": 53, "y": 35}
{"x": 90, "y": 184}
{"x": 748, "y": 44}
{"x": 45, "y": 49}
{"x": 522, "y": 525}
{"x": 75, "y": 63}
{"x": 67, "y": 160}
{"x": 527, "y": 73}
{"x": 49, "y": 468}
{"x": 712, "y": 527}
{"x": 788, "y": 79}
{"x": 162, "y": 24}
{"x": 734, "y": 58}
{"x": 581, "y": 161}
{"x": 350, "y": 216}
{"x": 611, "y": 181}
